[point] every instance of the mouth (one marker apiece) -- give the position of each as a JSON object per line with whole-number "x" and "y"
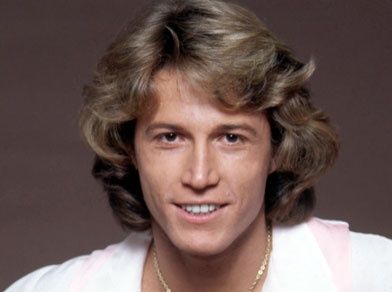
{"x": 200, "y": 213}
{"x": 200, "y": 209}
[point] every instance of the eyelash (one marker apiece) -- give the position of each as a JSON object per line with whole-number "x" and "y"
{"x": 163, "y": 138}
{"x": 239, "y": 138}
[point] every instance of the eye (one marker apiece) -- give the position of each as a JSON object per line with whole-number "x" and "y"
{"x": 168, "y": 137}
{"x": 232, "y": 138}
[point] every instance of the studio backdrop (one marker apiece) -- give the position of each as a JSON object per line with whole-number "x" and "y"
{"x": 51, "y": 209}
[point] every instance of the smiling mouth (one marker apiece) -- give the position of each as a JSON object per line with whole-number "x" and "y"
{"x": 200, "y": 209}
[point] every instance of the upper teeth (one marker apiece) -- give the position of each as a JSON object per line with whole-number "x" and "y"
{"x": 197, "y": 209}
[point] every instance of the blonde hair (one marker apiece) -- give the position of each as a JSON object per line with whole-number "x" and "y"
{"x": 225, "y": 49}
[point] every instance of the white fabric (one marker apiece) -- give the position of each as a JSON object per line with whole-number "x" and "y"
{"x": 297, "y": 265}
{"x": 372, "y": 262}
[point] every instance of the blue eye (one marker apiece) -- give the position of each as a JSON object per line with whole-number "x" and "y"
{"x": 169, "y": 137}
{"x": 232, "y": 138}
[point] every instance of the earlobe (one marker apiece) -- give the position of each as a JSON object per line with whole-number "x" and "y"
{"x": 133, "y": 159}
{"x": 272, "y": 166}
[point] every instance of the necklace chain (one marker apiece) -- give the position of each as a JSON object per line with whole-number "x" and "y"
{"x": 252, "y": 287}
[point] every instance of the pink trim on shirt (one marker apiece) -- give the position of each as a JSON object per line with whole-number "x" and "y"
{"x": 95, "y": 261}
{"x": 334, "y": 241}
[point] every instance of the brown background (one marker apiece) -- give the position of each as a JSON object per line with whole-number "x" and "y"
{"x": 50, "y": 207}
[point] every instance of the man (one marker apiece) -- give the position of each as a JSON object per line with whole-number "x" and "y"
{"x": 207, "y": 142}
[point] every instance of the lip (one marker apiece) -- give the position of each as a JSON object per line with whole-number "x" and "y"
{"x": 199, "y": 219}
{"x": 179, "y": 204}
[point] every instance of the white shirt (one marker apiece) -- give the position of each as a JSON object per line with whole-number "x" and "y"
{"x": 297, "y": 264}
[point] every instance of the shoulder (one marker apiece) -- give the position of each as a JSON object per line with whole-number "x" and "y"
{"x": 93, "y": 272}
{"x": 371, "y": 262}
{"x": 49, "y": 278}
{"x": 368, "y": 256}
{"x": 368, "y": 247}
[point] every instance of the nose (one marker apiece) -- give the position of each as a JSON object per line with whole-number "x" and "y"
{"x": 201, "y": 171}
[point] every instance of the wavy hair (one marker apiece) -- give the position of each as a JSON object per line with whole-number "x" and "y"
{"x": 225, "y": 49}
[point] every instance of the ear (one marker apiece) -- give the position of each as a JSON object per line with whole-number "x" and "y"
{"x": 133, "y": 158}
{"x": 272, "y": 166}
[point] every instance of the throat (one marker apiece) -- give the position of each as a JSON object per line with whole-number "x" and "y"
{"x": 241, "y": 269}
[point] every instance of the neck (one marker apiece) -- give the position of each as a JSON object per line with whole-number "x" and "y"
{"x": 234, "y": 269}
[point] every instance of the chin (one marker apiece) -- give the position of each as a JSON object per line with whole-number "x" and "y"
{"x": 202, "y": 245}
{"x": 203, "y": 251}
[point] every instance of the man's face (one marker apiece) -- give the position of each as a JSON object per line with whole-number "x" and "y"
{"x": 202, "y": 169}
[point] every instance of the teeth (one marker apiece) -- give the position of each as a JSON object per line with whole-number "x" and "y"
{"x": 200, "y": 209}
{"x": 204, "y": 208}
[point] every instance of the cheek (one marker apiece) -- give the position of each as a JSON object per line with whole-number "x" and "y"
{"x": 250, "y": 198}
{"x": 153, "y": 195}
{"x": 251, "y": 193}
{"x": 247, "y": 182}
{"x": 156, "y": 181}
{"x": 151, "y": 181}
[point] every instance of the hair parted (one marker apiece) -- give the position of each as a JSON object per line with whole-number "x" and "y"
{"x": 225, "y": 49}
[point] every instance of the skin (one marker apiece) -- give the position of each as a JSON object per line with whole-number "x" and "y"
{"x": 191, "y": 150}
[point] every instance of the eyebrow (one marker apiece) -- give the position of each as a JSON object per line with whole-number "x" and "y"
{"x": 220, "y": 128}
{"x": 168, "y": 126}
{"x": 232, "y": 127}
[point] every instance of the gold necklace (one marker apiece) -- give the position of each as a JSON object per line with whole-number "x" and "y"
{"x": 252, "y": 287}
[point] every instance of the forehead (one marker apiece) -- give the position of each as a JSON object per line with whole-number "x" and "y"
{"x": 171, "y": 87}
{"x": 179, "y": 100}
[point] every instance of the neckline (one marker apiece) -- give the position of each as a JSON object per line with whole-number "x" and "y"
{"x": 290, "y": 245}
